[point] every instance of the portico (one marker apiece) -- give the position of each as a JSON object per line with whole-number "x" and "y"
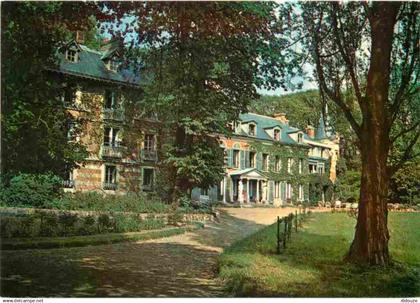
{"x": 248, "y": 186}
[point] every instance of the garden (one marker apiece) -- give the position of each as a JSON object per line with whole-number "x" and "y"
{"x": 34, "y": 207}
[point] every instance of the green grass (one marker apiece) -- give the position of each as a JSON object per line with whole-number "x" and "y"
{"x": 58, "y": 242}
{"x": 313, "y": 266}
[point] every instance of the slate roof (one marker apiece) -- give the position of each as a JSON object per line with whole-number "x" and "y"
{"x": 91, "y": 65}
{"x": 320, "y": 131}
{"x": 266, "y": 122}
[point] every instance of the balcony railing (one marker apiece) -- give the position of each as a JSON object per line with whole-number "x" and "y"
{"x": 109, "y": 151}
{"x": 116, "y": 114}
{"x": 68, "y": 183}
{"x": 109, "y": 186}
{"x": 149, "y": 154}
{"x": 147, "y": 187}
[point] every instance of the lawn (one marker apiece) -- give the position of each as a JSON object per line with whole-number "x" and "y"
{"x": 313, "y": 266}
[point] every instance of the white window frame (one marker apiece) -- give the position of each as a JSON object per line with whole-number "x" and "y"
{"x": 149, "y": 143}
{"x": 301, "y": 193}
{"x": 289, "y": 191}
{"x": 289, "y": 165}
{"x": 109, "y": 176}
{"x": 114, "y": 139}
{"x": 274, "y": 134}
{"x": 151, "y": 185}
{"x": 72, "y": 55}
{"x": 236, "y": 160}
{"x": 254, "y": 134}
{"x": 252, "y": 159}
{"x": 265, "y": 162}
{"x": 300, "y": 166}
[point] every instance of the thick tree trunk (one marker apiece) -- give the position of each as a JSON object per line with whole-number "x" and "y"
{"x": 370, "y": 244}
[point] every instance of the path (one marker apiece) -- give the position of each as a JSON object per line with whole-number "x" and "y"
{"x": 178, "y": 266}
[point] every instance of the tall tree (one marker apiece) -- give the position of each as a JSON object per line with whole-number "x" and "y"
{"x": 34, "y": 137}
{"x": 206, "y": 61}
{"x": 367, "y": 55}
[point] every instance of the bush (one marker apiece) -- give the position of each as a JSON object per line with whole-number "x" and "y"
{"x": 67, "y": 222}
{"x": 104, "y": 223}
{"x": 88, "y": 226}
{"x": 126, "y": 223}
{"x": 49, "y": 224}
{"x": 141, "y": 203}
{"x": 31, "y": 190}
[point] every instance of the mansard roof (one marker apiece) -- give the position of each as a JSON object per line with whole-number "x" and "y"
{"x": 92, "y": 65}
{"x": 266, "y": 122}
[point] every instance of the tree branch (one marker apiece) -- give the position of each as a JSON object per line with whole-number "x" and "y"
{"x": 345, "y": 55}
{"x": 405, "y": 131}
{"x": 406, "y": 156}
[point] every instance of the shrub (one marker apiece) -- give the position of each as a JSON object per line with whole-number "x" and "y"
{"x": 104, "y": 223}
{"x": 49, "y": 224}
{"x": 175, "y": 217}
{"x": 88, "y": 226}
{"x": 31, "y": 190}
{"x": 67, "y": 222}
{"x": 115, "y": 203}
{"x": 126, "y": 223}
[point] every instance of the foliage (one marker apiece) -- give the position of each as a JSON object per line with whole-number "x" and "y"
{"x": 117, "y": 203}
{"x": 348, "y": 186}
{"x": 405, "y": 184}
{"x": 202, "y": 71}
{"x": 34, "y": 120}
{"x": 313, "y": 266}
{"x": 31, "y": 190}
{"x": 67, "y": 224}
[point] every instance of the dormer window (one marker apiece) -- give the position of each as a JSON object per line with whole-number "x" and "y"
{"x": 300, "y": 137}
{"x": 276, "y": 135}
{"x": 113, "y": 65}
{"x": 251, "y": 130}
{"x": 71, "y": 55}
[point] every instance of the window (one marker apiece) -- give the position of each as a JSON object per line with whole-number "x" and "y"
{"x": 71, "y": 55}
{"x": 277, "y": 164}
{"x": 265, "y": 162}
{"x": 252, "y": 156}
{"x": 110, "y": 174}
{"x": 148, "y": 178}
{"x": 277, "y": 134}
{"x": 111, "y": 137}
{"x": 204, "y": 191}
{"x": 320, "y": 168}
{"x": 149, "y": 142}
{"x": 289, "y": 165}
{"x": 251, "y": 130}
{"x": 289, "y": 191}
{"x": 300, "y": 137}
{"x": 113, "y": 65}
{"x": 312, "y": 168}
{"x": 300, "y": 165}
{"x": 235, "y": 158}
{"x": 301, "y": 194}
{"x": 225, "y": 156}
{"x": 69, "y": 96}
{"x": 110, "y": 100}
{"x": 276, "y": 189}
{"x": 71, "y": 131}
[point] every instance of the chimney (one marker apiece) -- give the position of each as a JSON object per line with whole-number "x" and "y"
{"x": 310, "y": 130}
{"x": 80, "y": 37}
{"x": 281, "y": 117}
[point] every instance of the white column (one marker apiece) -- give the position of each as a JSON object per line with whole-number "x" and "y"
{"x": 258, "y": 191}
{"x": 224, "y": 189}
{"x": 240, "y": 192}
{"x": 231, "y": 189}
{"x": 248, "y": 198}
{"x": 264, "y": 191}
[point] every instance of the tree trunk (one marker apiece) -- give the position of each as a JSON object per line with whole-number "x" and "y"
{"x": 370, "y": 244}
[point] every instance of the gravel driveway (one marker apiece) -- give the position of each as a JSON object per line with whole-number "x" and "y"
{"x": 178, "y": 266}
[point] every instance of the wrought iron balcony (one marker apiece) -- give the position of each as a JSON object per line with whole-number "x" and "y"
{"x": 109, "y": 186}
{"x": 68, "y": 183}
{"x": 111, "y": 151}
{"x": 116, "y": 114}
{"x": 149, "y": 155}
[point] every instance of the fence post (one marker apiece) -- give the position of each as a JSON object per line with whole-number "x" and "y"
{"x": 278, "y": 235}
{"x": 296, "y": 220}
{"x": 290, "y": 225}
{"x": 285, "y": 232}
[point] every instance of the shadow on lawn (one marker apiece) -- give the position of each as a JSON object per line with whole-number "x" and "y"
{"x": 143, "y": 269}
{"x": 316, "y": 268}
